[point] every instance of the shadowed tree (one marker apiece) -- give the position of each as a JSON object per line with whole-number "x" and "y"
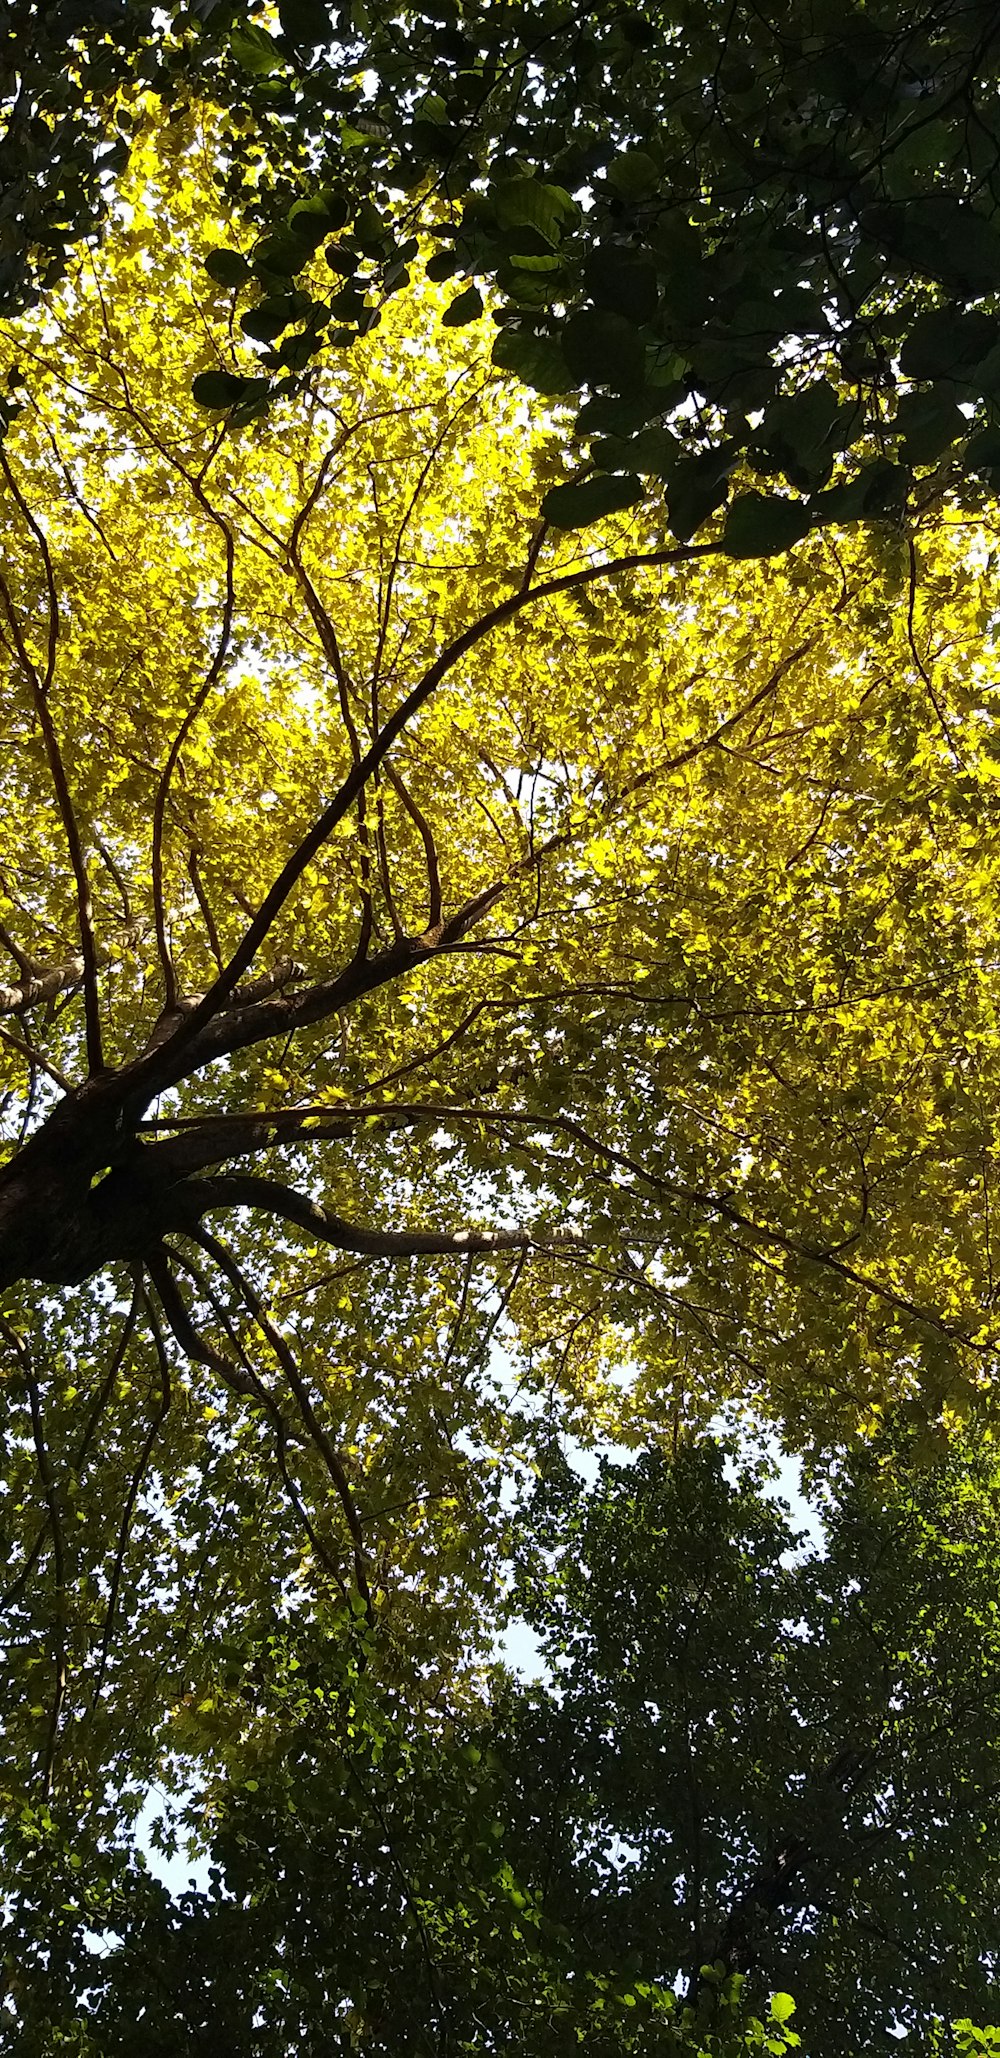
{"x": 750, "y": 1774}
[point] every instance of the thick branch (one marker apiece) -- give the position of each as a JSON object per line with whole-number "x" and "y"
{"x": 362, "y": 771}
{"x": 33, "y": 989}
{"x": 719, "y": 1204}
{"x": 192, "y": 1343}
{"x": 234, "y": 1027}
{"x": 269, "y": 1196}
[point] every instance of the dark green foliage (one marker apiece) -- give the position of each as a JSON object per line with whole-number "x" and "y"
{"x": 749, "y": 224}
{"x": 759, "y": 524}
{"x": 750, "y": 1772}
{"x": 60, "y": 145}
{"x": 572, "y": 507}
{"x": 220, "y": 390}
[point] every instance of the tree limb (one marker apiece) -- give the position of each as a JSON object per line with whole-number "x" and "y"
{"x": 39, "y": 688}
{"x": 213, "y": 1248}
{"x": 268, "y": 1196}
{"x": 349, "y": 789}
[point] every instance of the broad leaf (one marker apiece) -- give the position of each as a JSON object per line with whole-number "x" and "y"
{"x": 528, "y": 203}
{"x": 227, "y": 267}
{"x": 929, "y": 423}
{"x": 946, "y": 341}
{"x": 575, "y": 506}
{"x": 255, "y": 50}
{"x": 536, "y": 360}
{"x": 467, "y": 307}
{"x": 218, "y": 390}
{"x": 764, "y": 524}
{"x": 604, "y": 349}
{"x": 304, "y": 22}
{"x": 623, "y": 281}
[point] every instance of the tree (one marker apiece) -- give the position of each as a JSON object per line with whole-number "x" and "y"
{"x": 750, "y": 1773}
{"x": 459, "y": 987}
{"x": 801, "y": 1763}
{"x": 772, "y": 246}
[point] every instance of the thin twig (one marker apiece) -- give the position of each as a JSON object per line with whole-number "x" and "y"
{"x": 40, "y": 692}
{"x": 45, "y": 1475}
{"x": 212, "y": 1247}
{"x": 131, "y": 1496}
{"x": 236, "y": 1276}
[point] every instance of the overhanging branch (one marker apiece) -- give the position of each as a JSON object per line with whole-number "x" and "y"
{"x": 270, "y": 1197}
{"x": 362, "y": 771}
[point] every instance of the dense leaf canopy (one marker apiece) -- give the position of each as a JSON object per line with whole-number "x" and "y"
{"x": 744, "y": 234}
{"x": 469, "y": 986}
{"x": 750, "y": 1772}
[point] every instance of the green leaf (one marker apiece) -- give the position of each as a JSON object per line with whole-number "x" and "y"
{"x": 940, "y": 237}
{"x": 535, "y": 359}
{"x": 370, "y": 229}
{"x": 349, "y": 305}
{"x": 694, "y": 492}
{"x": 530, "y": 288}
{"x": 762, "y": 524}
{"x": 610, "y": 415}
{"x": 782, "y": 2007}
{"x": 800, "y": 426}
{"x": 527, "y": 203}
{"x": 227, "y": 267}
{"x": 304, "y": 22}
{"x": 443, "y": 265}
{"x": 886, "y": 490}
{"x": 603, "y": 349}
{"x": 982, "y": 453}
{"x": 297, "y": 349}
{"x": 946, "y": 341}
{"x": 251, "y": 409}
{"x": 844, "y": 502}
{"x": 634, "y": 175}
{"x": 342, "y": 260}
{"x": 467, "y": 307}
{"x": 267, "y": 320}
{"x": 432, "y": 108}
{"x": 321, "y": 215}
{"x": 619, "y": 279}
{"x": 524, "y": 263}
{"x": 255, "y": 50}
{"x": 698, "y": 486}
{"x": 655, "y": 452}
{"x": 282, "y": 253}
{"x": 929, "y": 423}
{"x": 218, "y": 390}
{"x": 574, "y": 506}
{"x": 983, "y": 378}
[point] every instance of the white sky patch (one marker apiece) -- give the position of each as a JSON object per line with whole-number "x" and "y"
{"x": 185, "y": 1869}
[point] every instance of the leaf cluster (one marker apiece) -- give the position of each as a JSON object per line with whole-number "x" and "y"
{"x": 778, "y": 251}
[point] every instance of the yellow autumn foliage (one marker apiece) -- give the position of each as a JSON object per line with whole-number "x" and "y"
{"x": 695, "y": 860}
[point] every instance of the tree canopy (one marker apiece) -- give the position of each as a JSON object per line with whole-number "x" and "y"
{"x": 472, "y": 985}
{"x": 752, "y": 1800}
{"x": 741, "y": 237}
